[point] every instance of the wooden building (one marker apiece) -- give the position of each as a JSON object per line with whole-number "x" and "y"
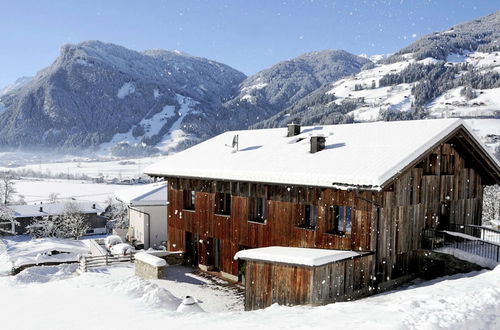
{"x": 370, "y": 187}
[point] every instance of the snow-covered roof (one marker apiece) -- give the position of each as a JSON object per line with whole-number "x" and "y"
{"x": 296, "y": 256}
{"x": 147, "y": 194}
{"x": 23, "y": 211}
{"x": 365, "y": 154}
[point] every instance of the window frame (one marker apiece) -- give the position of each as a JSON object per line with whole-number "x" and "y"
{"x": 309, "y": 219}
{"x": 254, "y": 204}
{"x": 189, "y": 200}
{"x": 226, "y": 199}
{"x": 341, "y": 222}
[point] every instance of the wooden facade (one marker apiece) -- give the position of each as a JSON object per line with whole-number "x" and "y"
{"x": 441, "y": 187}
{"x": 269, "y": 283}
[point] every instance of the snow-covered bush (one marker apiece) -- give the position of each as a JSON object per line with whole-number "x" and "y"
{"x": 7, "y": 220}
{"x": 491, "y": 204}
{"x": 72, "y": 222}
{"x": 41, "y": 228}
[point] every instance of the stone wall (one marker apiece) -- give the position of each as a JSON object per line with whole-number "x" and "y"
{"x": 149, "y": 267}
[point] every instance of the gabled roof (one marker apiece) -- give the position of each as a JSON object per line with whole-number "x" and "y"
{"x": 365, "y": 155}
{"x": 154, "y": 194}
{"x": 52, "y": 209}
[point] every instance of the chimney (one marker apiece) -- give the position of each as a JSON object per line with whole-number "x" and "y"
{"x": 93, "y": 206}
{"x": 317, "y": 143}
{"x": 293, "y": 129}
{"x": 41, "y": 209}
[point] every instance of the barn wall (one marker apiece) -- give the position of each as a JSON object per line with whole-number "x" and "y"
{"x": 284, "y": 205}
{"x": 425, "y": 197}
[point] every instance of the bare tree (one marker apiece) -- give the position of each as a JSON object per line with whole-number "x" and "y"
{"x": 7, "y": 188}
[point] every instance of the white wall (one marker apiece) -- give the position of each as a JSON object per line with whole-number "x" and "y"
{"x": 158, "y": 223}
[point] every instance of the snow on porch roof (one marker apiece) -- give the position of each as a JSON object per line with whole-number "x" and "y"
{"x": 147, "y": 194}
{"x": 365, "y": 154}
{"x": 295, "y": 256}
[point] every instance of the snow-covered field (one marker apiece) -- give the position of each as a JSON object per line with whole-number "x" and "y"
{"x": 112, "y": 298}
{"x": 35, "y": 190}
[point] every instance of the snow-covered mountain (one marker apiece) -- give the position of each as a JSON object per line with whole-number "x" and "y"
{"x": 286, "y": 83}
{"x": 455, "y": 73}
{"x": 94, "y": 91}
{"x": 115, "y": 100}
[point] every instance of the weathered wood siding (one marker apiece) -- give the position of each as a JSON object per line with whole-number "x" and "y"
{"x": 417, "y": 200}
{"x": 284, "y": 212}
{"x": 269, "y": 283}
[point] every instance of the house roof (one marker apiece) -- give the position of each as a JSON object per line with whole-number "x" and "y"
{"x": 48, "y": 209}
{"x": 296, "y": 256}
{"x": 366, "y": 155}
{"x": 154, "y": 194}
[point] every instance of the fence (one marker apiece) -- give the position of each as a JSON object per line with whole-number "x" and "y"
{"x": 462, "y": 241}
{"x": 100, "y": 261}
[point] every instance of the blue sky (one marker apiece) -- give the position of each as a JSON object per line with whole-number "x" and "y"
{"x": 248, "y": 35}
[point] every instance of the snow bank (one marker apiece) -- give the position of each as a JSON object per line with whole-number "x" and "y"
{"x": 44, "y": 274}
{"x": 296, "y": 256}
{"x": 150, "y": 259}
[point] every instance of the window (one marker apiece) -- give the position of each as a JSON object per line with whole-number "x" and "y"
{"x": 257, "y": 209}
{"x": 341, "y": 220}
{"x": 223, "y": 203}
{"x": 309, "y": 216}
{"x": 189, "y": 198}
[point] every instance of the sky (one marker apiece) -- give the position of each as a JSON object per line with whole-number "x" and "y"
{"x": 249, "y": 35}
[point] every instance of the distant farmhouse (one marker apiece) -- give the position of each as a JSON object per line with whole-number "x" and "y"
{"x": 357, "y": 196}
{"x": 24, "y": 215}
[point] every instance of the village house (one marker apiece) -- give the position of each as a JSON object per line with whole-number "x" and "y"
{"x": 147, "y": 213}
{"x": 368, "y": 189}
{"x": 24, "y": 215}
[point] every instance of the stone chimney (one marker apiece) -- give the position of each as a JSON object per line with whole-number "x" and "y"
{"x": 317, "y": 143}
{"x": 293, "y": 129}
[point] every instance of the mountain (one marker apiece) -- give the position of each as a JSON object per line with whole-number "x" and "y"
{"x": 19, "y": 83}
{"x": 95, "y": 90}
{"x": 115, "y": 100}
{"x": 455, "y": 73}
{"x": 286, "y": 83}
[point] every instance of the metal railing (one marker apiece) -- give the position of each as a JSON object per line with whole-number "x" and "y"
{"x": 464, "y": 241}
{"x": 484, "y": 233}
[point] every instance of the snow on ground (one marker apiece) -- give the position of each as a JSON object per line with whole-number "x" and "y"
{"x": 120, "y": 169}
{"x": 153, "y": 125}
{"x": 126, "y": 89}
{"x": 176, "y": 135}
{"x": 35, "y": 190}
{"x": 112, "y": 298}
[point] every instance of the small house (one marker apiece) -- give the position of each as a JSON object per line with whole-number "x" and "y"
{"x": 24, "y": 214}
{"x": 147, "y": 212}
